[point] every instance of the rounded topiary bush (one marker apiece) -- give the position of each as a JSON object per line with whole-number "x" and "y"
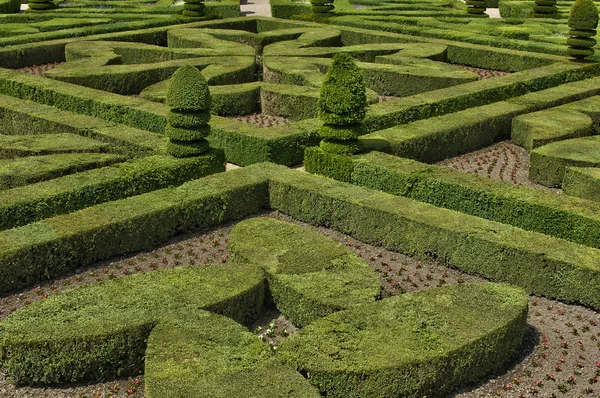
{"x": 544, "y": 9}
{"x": 342, "y": 105}
{"x": 41, "y": 5}
{"x": 187, "y": 121}
{"x": 194, "y": 8}
{"x": 583, "y": 21}
{"x": 321, "y": 6}
{"x": 476, "y": 7}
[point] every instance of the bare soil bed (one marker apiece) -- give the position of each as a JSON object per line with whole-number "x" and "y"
{"x": 261, "y": 120}
{"x": 560, "y": 356}
{"x": 502, "y": 161}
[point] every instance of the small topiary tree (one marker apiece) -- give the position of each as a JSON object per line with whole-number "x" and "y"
{"x": 187, "y": 121}
{"x": 41, "y": 5}
{"x": 544, "y": 9}
{"x": 476, "y": 7}
{"x": 342, "y": 106}
{"x": 583, "y": 21}
{"x": 321, "y": 6}
{"x": 194, "y": 8}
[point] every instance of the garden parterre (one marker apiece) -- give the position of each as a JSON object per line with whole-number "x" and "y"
{"x": 86, "y": 176}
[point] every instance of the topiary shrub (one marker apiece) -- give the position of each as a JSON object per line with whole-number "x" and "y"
{"x": 342, "y": 106}
{"x": 321, "y": 6}
{"x": 583, "y": 21}
{"x": 187, "y": 121}
{"x": 476, "y": 7}
{"x": 41, "y": 5}
{"x": 544, "y": 9}
{"x": 194, "y": 8}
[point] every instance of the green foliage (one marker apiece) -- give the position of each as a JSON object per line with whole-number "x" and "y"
{"x": 545, "y": 9}
{"x": 547, "y": 163}
{"x": 55, "y": 246}
{"x": 9, "y": 6}
{"x": 111, "y": 321}
{"x": 188, "y": 119}
{"x": 183, "y": 149}
{"x": 476, "y": 7}
{"x": 187, "y": 134}
{"x": 339, "y": 147}
{"x": 539, "y": 263}
{"x": 27, "y": 170}
{"x": 343, "y": 98}
{"x": 23, "y": 205}
{"x": 44, "y": 144}
{"x": 583, "y": 16}
{"x": 413, "y": 345}
{"x": 188, "y": 90}
{"x": 520, "y": 206}
{"x": 583, "y": 182}
{"x": 329, "y": 164}
{"x": 310, "y": 275}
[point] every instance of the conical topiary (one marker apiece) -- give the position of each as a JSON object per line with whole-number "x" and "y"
{"x": 194, "y": 8}
{"x": 476, "y": 7}
{"x": 544, "y": 9}
{"x": 583, "y": 21}
{"x": 321, "y": 6}
{"x": 41, "y": 5}
{"x": 342, "y": 106}
{"x": 187, "y": 121}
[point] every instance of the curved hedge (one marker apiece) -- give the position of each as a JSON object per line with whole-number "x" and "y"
{"x": 547, "y": 163}
{"x": 310, "y": 275}
{"x": 413, "y": 345}
{"x": 100, "y": 331}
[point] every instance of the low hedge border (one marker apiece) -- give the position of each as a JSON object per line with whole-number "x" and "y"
{"x": 582, "y": 182}
{"x": 306, "y": 284}
{"x": 573, "y": 120}
{"x": 547, "y": 163}
{"x": 539, "y": 263}
{"x": 23, "y": 205}
{"x": 19, "y": 117}
{"x": 54, "y": 246}
{"x": 440, "y": 137}
{"x": 520, "y": 206}
{"x": 21, "y": 171}
{"x": 111, "y": 322}
{"x": 428, "y": 343}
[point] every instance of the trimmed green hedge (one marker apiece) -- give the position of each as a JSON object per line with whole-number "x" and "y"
{"x": 9, "y": 6}
{"x": 413, "y": 345}
{"x": 309, "y": 275}
{"x": 523, "y": 207}
{"x": 12, "y": 146}
{"x": 19, "y": 117}
{"x": 100, "y": 331}
{"x": 54, "y": 246}
{"x": 229, "y": 362}
{"x": 539, "y": 263}
{"x": 27, "y": 170}
{"x": 575, "y": 119}
{"x": 23, "y": 205}
{"x": 547, "y": 163}
{"x": 583, "y": 182}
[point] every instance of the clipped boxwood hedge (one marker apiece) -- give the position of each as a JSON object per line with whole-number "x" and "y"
{"x": 511, "y": 204}
{"x": 583, "y": 182}
{"x": 310, "y": 275}
{"x": 413, "y": 345}
{"x": 100, "y": 331}
{"x": 26, "y": 204}
{"x": 539, "y": 263}
{"x": 547, "y": 163}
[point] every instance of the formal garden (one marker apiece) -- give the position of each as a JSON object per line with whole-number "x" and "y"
{"x": 349, "y": 198}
